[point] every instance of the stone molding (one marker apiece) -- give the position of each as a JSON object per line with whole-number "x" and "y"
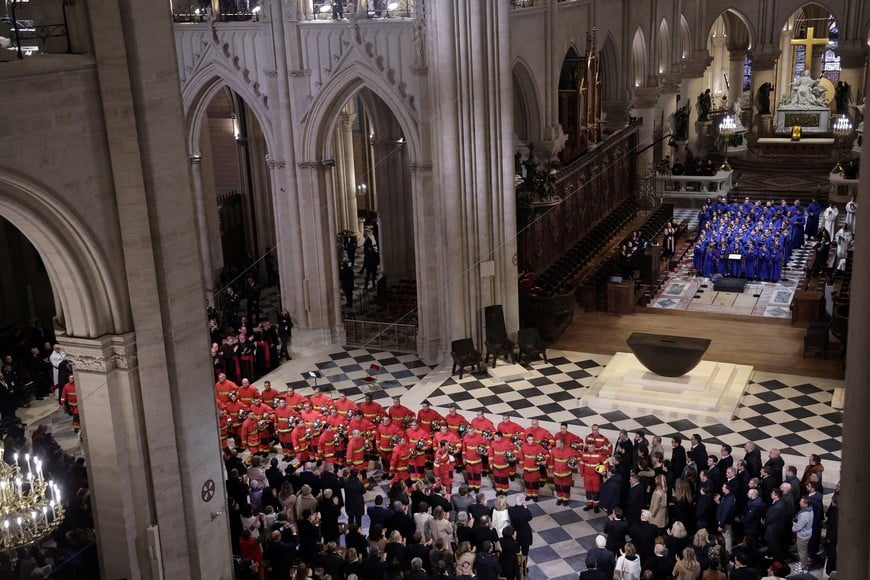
{"x": 101, "y": 355}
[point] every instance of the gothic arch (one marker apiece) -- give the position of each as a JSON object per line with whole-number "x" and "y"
{"x": 686, "y": 47}
{"x": 527, "y": 109}
{"x": 731, "y": 16}
{"x": 802, "y": 6}
{"x": 321, "y": 115}
{"x": 638, "y": 58}
{"x": 198, "y": 92}
{"x": 86, "y": 296}
{"x": 663, "y": 48}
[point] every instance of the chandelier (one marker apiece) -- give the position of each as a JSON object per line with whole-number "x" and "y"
{"x": 30, "y": 507}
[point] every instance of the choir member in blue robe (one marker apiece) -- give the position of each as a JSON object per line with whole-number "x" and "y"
{"x": 763, "y": 263}
{"x": 750, "y": 261}
{"x": 797, "y": 229}
{"x": 775, "y": 262}
{"x": 709, "y": 264}
{"x": 722, "y": 263}
{"x": 814, "y": 210}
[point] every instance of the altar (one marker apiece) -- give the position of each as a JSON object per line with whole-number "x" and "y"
{"x": 813, "y": 147}
{"x": 811, "y": 120}
{"x": 694, "y": 186}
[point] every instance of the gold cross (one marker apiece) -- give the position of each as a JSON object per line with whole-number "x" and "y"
{"x": 808, "y": 44}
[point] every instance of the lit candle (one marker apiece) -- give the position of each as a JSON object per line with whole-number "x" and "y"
{"x": 18, "y": 485}
{"x": 51, "y": 506}
{"x": 27, "y": 460}
{"x": 33, "y": 518}
{"x": 15, "y": 458}
{"x": 45, "y": 514}
{"x": 3, "y": 485}
{"x": 20, "y": 527}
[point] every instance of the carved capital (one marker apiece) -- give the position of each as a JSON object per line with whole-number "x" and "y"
{"x": 852, "y": 55}
{"x": 764, "y": 57}
{"x": 296, "y": 74}
{"x": 195, "y": 159}
{"x": 274, "y": 163}
{"x": 101, "y": 355}
{"x": 415, "y": 167}
{"x": 696, "y": 65}
{"x": 645, "y": 97}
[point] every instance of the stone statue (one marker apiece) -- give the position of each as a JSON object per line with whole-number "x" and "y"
{"x": 842, "y": 97}
{"x": 681, "y": 123}
{"x": 806, "y": 93}
{"x": 764, "y": 98}
{"x": 705, "y": 103}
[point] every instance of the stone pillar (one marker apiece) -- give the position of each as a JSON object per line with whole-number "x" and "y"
{"x": 735, "y": 73}
{"x": 345, "y": 191}
{"x": 395, "y": 213}
{"x": 107, "y": 384}
{"x": 854, "y": 509}
{"x": 474, "y": 182}
{"x": 202, "y": 226}
{"x": 853, "y": 70}
{"x": 645, "y": 107}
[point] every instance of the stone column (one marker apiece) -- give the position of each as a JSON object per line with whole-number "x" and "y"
{"x": 345, "y": 191}
{"x": 854, "y": 509}
{"x": 737, "y": 56}
{"x": 645, "y": 107}
{"x": 202, "y": 226}
{"x": 471, "y": 100}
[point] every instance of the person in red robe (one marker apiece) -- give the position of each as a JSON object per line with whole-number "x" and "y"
{"x": 591, "y": 459}
{"x": 443, "y": 466}
{"x": 561, "y": 458}
{"x": 474, "y": 449}
{"x": 70, "y": 401}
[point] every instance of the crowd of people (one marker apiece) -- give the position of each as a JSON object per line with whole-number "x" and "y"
{"x": 754, "y": 240}
{"x": 677, "y": 514}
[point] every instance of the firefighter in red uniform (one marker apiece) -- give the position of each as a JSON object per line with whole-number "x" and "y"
{"x": 480, "y": 424}
{"x": 372, "y": 411}
{"x": 70, "y": 401}
{"x": 429, "y": 419}
{"x": 321, "y": 401}
{"x": 502, "y": 466}
{"x": 265, "y": 414}
{"x": 385, "y": 433}
{"x": 563, "y": 474}
{"x": 591, "y": 460}
{"x": 345, "y": 406}
{"x": 300, "y": 437}
{"x": 223, "y": 387}
{"x": 250, "y": 433}
{"x": 420, "y": 444}
{"x": 399, "y": 461}
{"x": 599, "y": 442}
{"x": 237, "y": 411}
{"x": 443, "y": 465}
{"x": 457, "y": 425}
{"x": 356, "y": 457}
{"x": 285, "y": 418}
{"x": 513, "y": 432}
{"x": 540, "y": 435}
{"x": 309, "y": 414}
{"x": 224, "y": 422}
{"x": 294, "y": 400}
{"x": 269, "y": 395}
{"x": 247, "y": 392}
{"x": 400, "y": 414}
{"x": 571, "y": 440}
{"x": 474, "y": 449}
{"x": 533, "y": 458}
{"x": 338, "y": 423}
{"x": 327, "y": 444}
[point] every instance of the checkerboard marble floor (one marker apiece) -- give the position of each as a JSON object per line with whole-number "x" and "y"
{"x": 789, "y": 412}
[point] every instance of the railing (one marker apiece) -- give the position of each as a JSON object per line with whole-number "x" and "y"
{"x": 228, "y": 11}
{"x": 26, "y": 37}
{"x": 384, "y": 335}
{"x": 523, "y": 3}
{"x": 327, "y": 9}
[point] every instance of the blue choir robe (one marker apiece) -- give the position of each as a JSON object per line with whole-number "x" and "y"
{"x": 775, "y": 264}
{"x": 797, "y": 231}
{"x": 764, "y": 264}
{"x": 750, "y": 263}
{"x": 814, "y": 210}
{"x": 707, "y": 268}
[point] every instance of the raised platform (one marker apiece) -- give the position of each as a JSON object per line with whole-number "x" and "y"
{"x": 810, "y": 119}
{"x": 730, "y": 284}
{"x": 708, "y": 393}
{"x": 807, "y": 147}
{"x": 505, "y": 372}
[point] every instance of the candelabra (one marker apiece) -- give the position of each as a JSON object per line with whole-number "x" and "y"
{"x": 727, "y": 129}
{"x": 842, "y": 128}
{"x": 30, "y": 507}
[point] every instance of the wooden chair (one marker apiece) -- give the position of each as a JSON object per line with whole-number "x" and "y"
{"x": 531, "y": 345}
{"x": 464, "y": 355}
{"x": 497, "y": 342}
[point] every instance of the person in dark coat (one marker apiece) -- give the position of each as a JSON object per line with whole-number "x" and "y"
{"x": 775, "y": 524}
{"x": 616, "y": 529}
{"x": 521, "y": 518}
{"x": 605, "y": 561}
{"x": 329, "y": 511}
{"x": 378, "y": 514}
{"x": 354, "y": 497}
{"x": 401, "y": 521}
{"x": 752, "y": 459}
{"x": 698, "y": 452}
{"x": 592, "y": 572}
{"x": 510, "y": 549}
{"x": 635, "y": 500}
{"x": 611, "y": 492}
{"x": 309, "y": 536}
{"x": 486, "y": 564}
{"x": 678, "y": 457}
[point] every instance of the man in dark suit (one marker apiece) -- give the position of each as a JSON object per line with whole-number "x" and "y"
{"x": 678, "y": 457}
{"x": 616, "y": 529}
{"x": 752, "y": 459}
{"x": 634, "y": 501}
{"x": 741, "y": 570}
{"x": 774, "y": 524}
{"x": 604, "y": 558}
{"x": 698, "y": 452}
{"x": 611, "y": 492}
{"x": 659, "y": 563}
{"x": 643, "y": 535}
{"x": 479, "y": 509}
{"x": 354, "y": 497}
{"x": 401, "y": 521}
{"x": 521, "y": 517}
{"x": 592, "y": 572}
{"x": 378, "y": 514}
